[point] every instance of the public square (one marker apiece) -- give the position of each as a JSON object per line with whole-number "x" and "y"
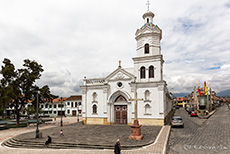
{"x": 102, "y": 137}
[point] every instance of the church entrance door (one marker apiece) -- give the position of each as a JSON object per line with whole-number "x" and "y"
{"x": 120, "y": 114}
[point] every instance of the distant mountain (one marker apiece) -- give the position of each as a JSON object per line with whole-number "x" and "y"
{"x": 180, "y": 95}
{"x": 225, "y": 93}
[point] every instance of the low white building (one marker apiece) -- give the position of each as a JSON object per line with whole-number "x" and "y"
{"x": 55, "y": 108}
{"x": 107, "y": 100}
{"x": 66, "y": 106}
{"x": 73, "y": 105}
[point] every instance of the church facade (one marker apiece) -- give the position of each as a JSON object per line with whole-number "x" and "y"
{"x": 109, "y": 100}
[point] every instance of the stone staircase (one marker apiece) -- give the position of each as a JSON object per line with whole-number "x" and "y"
{"x": 16, "y": 143}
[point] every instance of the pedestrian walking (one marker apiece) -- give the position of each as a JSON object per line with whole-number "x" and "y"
{"x": 48, "y": 141}
{"x": 117, "y": 147}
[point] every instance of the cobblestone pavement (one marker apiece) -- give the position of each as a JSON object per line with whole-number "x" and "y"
{"x": 95, "y": 134}
{"x": 201, "y": 136}
{"x": 155, "y": 148}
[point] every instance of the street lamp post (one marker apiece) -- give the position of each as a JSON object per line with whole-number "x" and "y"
{"x": 37, "y": 130}
{"x": 77, "y": 112}
{"x": 61, "y": 112}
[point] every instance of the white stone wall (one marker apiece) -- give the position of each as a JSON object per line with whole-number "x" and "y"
{"x": 99, "y": 102}
{"x": 155, "y": 101}
{"x": 154, "y": 46}
{"x": 147, "y": 63}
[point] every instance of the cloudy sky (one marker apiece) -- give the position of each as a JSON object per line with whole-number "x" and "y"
{"x": 76, "y": 38}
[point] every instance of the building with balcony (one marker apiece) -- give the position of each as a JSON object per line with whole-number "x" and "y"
{"x": 66, "y": 106}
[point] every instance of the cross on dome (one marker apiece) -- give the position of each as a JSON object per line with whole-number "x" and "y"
{"x": 148, "y": 5}
{"x": 148, "y": 16}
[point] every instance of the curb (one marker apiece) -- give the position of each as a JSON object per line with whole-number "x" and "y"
{"x": 161, "y": 142}
{"x": 166, "y": 141}
{"x": 207, "y": 116}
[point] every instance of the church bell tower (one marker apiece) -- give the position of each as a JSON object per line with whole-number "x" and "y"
{"x": 148, "y": 65}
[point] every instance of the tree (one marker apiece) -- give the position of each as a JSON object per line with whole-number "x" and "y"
{"x": 44, "y": 95}
{"x": 19, "y": 87}
{"x": 6, "y": 90}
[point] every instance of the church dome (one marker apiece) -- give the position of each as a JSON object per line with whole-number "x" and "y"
{"x": 148, "y": 14}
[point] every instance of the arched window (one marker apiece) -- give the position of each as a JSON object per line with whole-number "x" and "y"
{"x": 151, "y": 72}
{"x": 146, "y": 48}
{"x": 147, "y": 19}
{"x": 142, "y": 72}
{"x": 94, "y": 108}
{"x": 147, "y": 109}
{"x": 147, "y": 94}
{"x": 94, "y": 96}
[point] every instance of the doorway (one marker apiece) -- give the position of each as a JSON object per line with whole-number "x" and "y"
{"x": 120, "y": 114}
{"x": 74, "y": 113}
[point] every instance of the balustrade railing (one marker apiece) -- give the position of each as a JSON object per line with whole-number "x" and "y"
{"x": 95, "y": 81}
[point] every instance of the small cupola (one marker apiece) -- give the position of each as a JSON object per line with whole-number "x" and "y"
{"x": 148, "y": 16}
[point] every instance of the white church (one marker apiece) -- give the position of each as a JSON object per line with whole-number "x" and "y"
{"x": 107, "y": 100}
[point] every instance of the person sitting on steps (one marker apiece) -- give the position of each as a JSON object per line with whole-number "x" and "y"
{"x": 48, "y": 141}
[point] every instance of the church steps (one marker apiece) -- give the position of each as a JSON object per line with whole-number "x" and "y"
{"x": 16, "y": 143}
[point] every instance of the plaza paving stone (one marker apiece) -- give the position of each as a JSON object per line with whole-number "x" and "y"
{"x": 158, "y": 147}
{"x": 94, "y": 134}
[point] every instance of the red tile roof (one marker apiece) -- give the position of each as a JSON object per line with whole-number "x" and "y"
{"x": 59, "y": 99}
{"x": 74, "y": 97}
{"x": 179, "y": 98}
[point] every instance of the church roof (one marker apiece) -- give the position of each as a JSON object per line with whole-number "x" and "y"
{"x": 130, "y": 70}
{"x": 121, "y": 75}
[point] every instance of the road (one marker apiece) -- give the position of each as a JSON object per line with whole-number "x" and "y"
{"x": 203, "y": 136}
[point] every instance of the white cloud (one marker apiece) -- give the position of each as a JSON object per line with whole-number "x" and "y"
{"x": 74, "y": 38}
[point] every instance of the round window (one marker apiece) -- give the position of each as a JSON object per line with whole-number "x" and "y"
{"x": 119, "y": 84}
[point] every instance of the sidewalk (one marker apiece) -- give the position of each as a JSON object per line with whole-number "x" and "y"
{"x": 207, "y": 116}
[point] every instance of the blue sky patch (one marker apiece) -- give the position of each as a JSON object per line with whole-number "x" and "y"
{"x": 214, "y": 68}
{"x": 227, "y": 5}
{"x": 188, "y": 24}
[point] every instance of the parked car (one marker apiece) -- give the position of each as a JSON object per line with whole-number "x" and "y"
{"x": 193, "y": 114}
{"x": 177, "y": 121}
{"x": 190, "y": 110}
{"x": 177, "y": 107}
{"x": 187, "y": 108}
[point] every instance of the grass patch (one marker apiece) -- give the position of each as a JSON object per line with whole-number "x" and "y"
{"x": 15, "y": 126}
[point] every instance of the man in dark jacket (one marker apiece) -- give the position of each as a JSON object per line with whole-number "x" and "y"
{"x": 48, "y": 141}
{"x": 117, "y": 147}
